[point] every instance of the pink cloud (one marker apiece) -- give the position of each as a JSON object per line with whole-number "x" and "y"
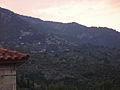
{"x": 83, "y": 11}
{"x": 114, "y": 3}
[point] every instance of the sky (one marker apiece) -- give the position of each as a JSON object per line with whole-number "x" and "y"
{"x": 100, "y": 13}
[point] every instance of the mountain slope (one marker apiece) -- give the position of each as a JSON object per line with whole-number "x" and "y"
{"x": 18, "y": 32}
{"x": 25, "y": 30}
{"x": 61, "y": 50}
{"x": 79, "y": 34}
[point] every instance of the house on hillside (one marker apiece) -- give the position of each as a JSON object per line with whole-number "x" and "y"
{"x": 9, "y": 60}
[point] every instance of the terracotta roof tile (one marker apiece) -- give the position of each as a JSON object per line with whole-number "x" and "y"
{"x": 9, "y": 56}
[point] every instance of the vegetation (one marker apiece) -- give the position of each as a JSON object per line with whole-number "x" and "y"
{"x": 81, "y": 69}
{"x": 64, "y": 56}
{"x": 61, "y": 85}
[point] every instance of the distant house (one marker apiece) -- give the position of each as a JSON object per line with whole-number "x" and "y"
{"x": 9, "y": 60}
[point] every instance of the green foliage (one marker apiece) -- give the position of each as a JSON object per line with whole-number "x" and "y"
{"x": 62, "y": 85}
{"x": 106, "y": 85}
{"x": 84, "y": 69}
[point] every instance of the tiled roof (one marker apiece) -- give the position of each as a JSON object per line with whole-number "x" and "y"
{"x": 9, "y": 56}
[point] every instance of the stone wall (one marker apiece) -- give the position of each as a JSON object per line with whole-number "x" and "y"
{"x": 7, "y": 78}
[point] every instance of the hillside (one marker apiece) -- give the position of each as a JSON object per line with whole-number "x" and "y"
{"x": 81, "y": 57}
{"x": 28, "y": 31}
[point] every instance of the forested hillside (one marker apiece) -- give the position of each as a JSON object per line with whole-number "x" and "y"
{"x": 63, "y": 56}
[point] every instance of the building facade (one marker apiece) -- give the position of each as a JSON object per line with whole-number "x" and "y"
{"x": 9, "y": 61}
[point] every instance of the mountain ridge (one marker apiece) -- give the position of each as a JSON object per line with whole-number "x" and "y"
{"x": 61, "y": 52}
{"x": 21, "y": 29}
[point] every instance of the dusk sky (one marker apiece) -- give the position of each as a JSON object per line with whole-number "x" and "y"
{"x": 104, "y": 13}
